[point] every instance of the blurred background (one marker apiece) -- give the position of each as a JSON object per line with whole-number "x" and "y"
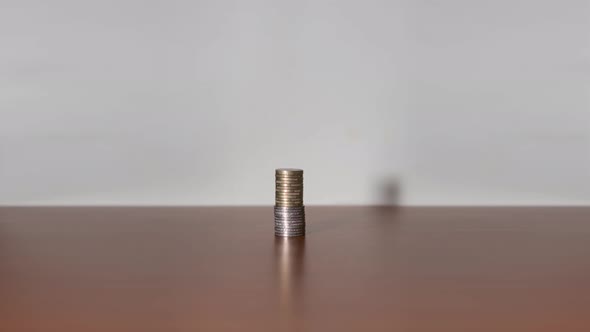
{"x": 174, "y": 102}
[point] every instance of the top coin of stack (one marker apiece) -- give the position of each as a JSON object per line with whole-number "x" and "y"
{"x": 289, "y": 187}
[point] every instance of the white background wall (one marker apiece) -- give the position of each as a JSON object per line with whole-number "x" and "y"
{"x": 196, "y": 102}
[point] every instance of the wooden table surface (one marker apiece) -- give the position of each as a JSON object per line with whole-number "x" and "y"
{"x": 358, "y": 269}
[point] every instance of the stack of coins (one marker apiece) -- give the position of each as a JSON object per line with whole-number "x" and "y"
{"x": 289, "y": 209}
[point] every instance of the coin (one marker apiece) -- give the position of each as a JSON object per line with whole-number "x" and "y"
{"x": 288, "y": 216}
{"x": 289, "y": 211}
{"x": 290, "y": 220}
{"x": 281, "y": 209}
{"x": 280, "y": 233}
{"x": 289, "y": 235}
{"x": 289, "y": 231}
{"x": 289, "y": 228}
{"x": 289, "y": 171}
{"x": 287, "y": 175}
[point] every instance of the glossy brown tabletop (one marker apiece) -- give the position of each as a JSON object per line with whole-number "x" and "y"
{"x": 358, "y": 269}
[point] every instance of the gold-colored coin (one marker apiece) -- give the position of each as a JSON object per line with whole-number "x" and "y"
{"x": 288, "y": 171}
{"x": 287, "y": 199}
{"x": 283, "y": 194}
{"x": 281, "y": 177}
{"x": 289, "y": 174}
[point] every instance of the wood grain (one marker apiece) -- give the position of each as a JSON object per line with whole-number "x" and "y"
{"x": 358, "y": 269}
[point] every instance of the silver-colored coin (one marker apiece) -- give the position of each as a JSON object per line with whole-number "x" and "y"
{"x": 289, "y": 234}
{"x": 287, "y": 231}
{"x": 290, "y": 221}
{"x": 290, "y": 212}
{"x": 290, "y": 229}
{"x": 290, "y": 226}
{"x": 293, "y": 220}
{"x": 287, "y": 226}
{"x": 296, "y": 209}
{"x": 289, "y": 209}
{"x": 287, "y": 216}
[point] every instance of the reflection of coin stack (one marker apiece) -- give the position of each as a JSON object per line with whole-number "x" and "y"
{"x": 289, "y": 209}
